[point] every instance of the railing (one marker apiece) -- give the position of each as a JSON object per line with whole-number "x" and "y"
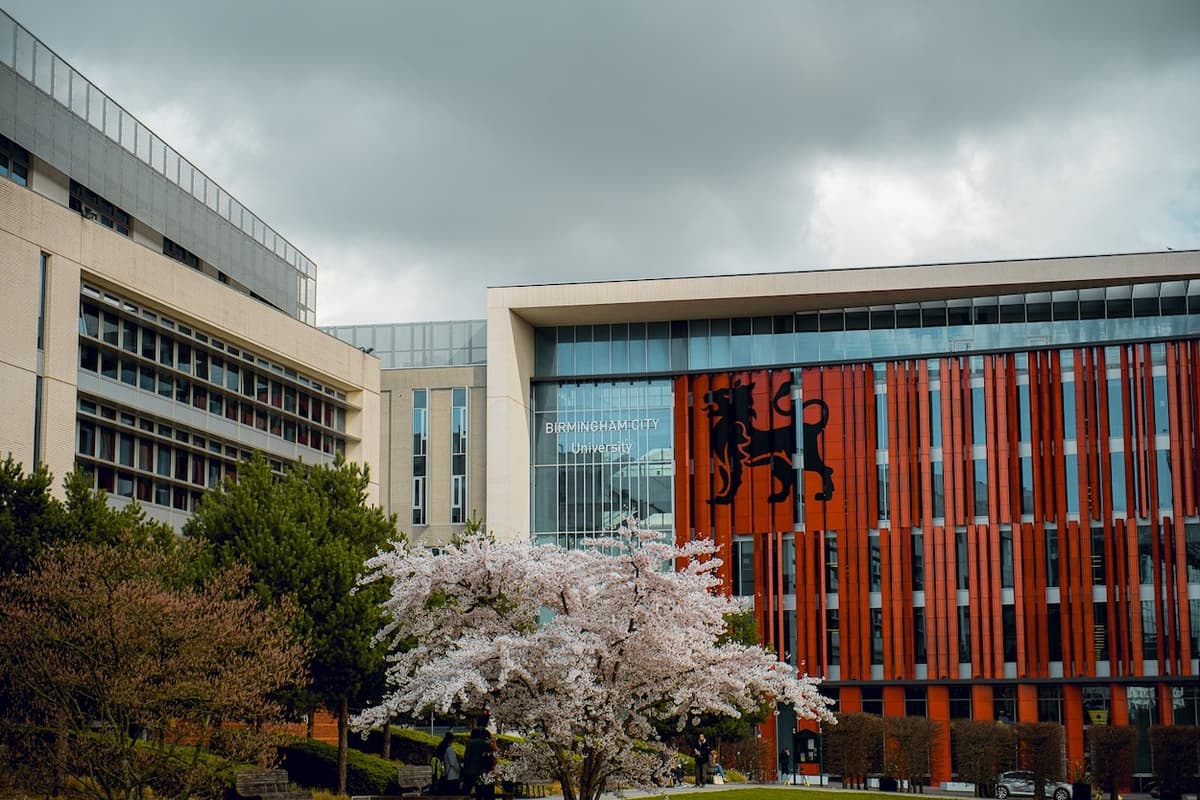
{"x": 46, "y": 70}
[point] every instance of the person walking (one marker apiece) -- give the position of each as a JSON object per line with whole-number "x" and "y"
{"x": 702, "y": 753}
{"x": 785, "y": 765}
{"x": 479, "y": 763}
{"x": 451, "y": 767}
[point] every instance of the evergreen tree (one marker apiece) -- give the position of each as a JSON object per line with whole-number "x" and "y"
{"x": 305, "y": 537}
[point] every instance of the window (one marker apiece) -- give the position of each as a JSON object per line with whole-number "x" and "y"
{"x": 914, "y": 701}
{"x": 1050, "y": 704}
{"x": 1054, "y": 630}
{"x": 180, "y": 254}
{"x": 964, "y": 634}
{"x": 833, "y": 637}
{"x": 1100, "y": 630}
{"x": 458, "y": 455}
{"x": 876, "y": 637}
{"x": 420, "y": 428}
{"x": 1008, "y": 622}
{"x": 14, "y": 162}
{"x": 872, "y": 700}
{"x": 96, "y": 208}
{"x": 918, "y": 560}
{"x": 743, "y": 567}
{"x": 960, "y": 702}
{"x": 876, "y": 574}
{"x": 831, "y": 562}
{"x": 1004, "y": 703}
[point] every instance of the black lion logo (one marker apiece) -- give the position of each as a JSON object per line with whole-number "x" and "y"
{"x": 736, "y": 443}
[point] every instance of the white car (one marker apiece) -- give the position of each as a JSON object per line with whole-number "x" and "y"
{"x": 1020, "y": 783}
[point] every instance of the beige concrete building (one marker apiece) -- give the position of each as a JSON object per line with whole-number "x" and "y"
{"x": 432, "y": 422}
{"x": 154, "y": 330}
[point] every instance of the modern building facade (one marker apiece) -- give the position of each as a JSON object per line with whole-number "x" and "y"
{"x": 155, "y": 330}
{"x": 432, "y": 422}
{"x": 957, "y": 490}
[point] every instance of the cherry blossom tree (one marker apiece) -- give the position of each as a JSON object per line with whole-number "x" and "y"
{"x": 581, "y": 651}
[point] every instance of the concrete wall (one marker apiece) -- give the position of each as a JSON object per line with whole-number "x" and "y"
{"x": 81, "y": 249}
{"x": 396, "y": 431}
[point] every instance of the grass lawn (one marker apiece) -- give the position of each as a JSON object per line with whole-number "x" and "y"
{"x": 781, "y": 793}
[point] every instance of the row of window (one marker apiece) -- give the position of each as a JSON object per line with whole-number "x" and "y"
{"x": 151, "y": 460}
{"x": 138, "y": 355}
{"x": 94, "y": 207}
{"x": 743, "y": 584}
{"x": 1081, "y": 316}
{"x": 1096, "y": 701}
{"x": 150, "y": 317}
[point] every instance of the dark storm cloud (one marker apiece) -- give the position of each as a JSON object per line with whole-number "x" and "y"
{"x": 403, "y": 145}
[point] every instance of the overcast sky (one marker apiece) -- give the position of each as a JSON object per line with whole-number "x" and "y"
{"x": 419, "y": 152}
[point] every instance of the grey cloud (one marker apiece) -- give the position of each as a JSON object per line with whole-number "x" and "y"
{"x": 520, "y": 141}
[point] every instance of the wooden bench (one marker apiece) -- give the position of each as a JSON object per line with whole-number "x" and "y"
{"x": 531, "y": 787}
{"x": 414, "y": 778}
{"x": 268, "y": 784}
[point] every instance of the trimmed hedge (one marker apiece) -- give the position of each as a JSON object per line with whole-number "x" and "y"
{"x": 411, "y": 746}
{"x": 314, "y": 764}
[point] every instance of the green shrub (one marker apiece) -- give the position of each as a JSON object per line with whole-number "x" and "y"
{"x": 314, "y": 764}
{"x": 412, "y": 746}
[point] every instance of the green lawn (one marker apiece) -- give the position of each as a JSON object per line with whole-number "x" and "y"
{"x": 781, "y": 793}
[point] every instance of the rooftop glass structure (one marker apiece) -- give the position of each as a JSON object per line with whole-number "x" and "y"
{"x": 49, "y": 108}
{"x": 409, "y": 345}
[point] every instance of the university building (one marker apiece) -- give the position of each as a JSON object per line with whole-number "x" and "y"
{"x": 956, "y": 490}
{"x": 155, "y": 330}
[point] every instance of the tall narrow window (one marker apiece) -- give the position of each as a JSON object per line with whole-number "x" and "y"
{"x": 43, "y": 270}
{"x": 1149, "y": 632}
{"x": 831, "y": 561}
{"x": 918, "y": 561}
{"x": 876, "y": 565}
{"x": 458, "y": 456}
{"x": 833, "y": 637}
{"x": 1054, "y": 630}
{"x": 919, "y": 651}
{"x": 1100, "y": 630}
{"x": 743, "y": 567}
{"x": 1008, "y": 624}
{"x": 1006, "y": 557}
{"x": 787, "y": 563}
{"x": 981, "y": 487}
{"x": 964, "y": 634}
{"x": 420, "y": 428}
{"x": 876, "y": 637}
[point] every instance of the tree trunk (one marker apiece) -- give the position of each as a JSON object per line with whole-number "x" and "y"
{"x": 343, "y": 738}
{"x": 387, "y": 739}
{"x": 309, "y": 723}
{"x": 60, "y": 752}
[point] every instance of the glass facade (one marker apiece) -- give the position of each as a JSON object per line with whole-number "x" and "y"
{"x": 601, "y": 452}
{"x": 410, "y": 345}
{"x": 1068, "y": 317}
